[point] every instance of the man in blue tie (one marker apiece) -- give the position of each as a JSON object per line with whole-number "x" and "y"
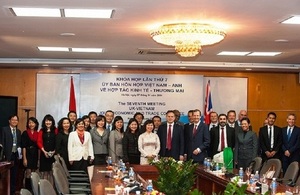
{"x": 11, "y": 141}
{"x": 290, "y": 142}
{"x": 109, "y": 116}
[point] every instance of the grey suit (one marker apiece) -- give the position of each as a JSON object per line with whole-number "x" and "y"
{"x": 115, "y": 147}
{"x": 246, "y": 146}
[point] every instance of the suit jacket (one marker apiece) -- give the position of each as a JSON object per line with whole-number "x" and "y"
{"x": 115, "y": 146}
{"x": 78, "y": 150}
{"x": 201, "y": 140}
{"x": 177, "y": 145}
{"x": 215, "y": 138}
{"x": 265, "y": 144}
{"x": 246, "y": 146}
{"x": 292, "y": 145}
{"x": 7, "y": 141}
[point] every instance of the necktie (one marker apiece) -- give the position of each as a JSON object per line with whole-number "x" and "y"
{"x": 222, "y": 139}
{"x": 270, "y": 134}
{"x": 14, "y": 148}
{"x": 195, "y": 129}
{"x": 289, "y": 133}
{"x": 108, "y": 127}
{"x": 169, "y": 138}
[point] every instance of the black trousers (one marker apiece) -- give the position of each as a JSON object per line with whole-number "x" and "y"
{"x": 80, "y": 165}
{"x": 14, "y": 172}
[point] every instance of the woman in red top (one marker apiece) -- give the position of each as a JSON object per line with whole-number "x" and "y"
{"x": 46, "y": 143}
{"x": 30, "y": 149}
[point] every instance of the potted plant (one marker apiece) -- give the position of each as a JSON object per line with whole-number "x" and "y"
{"x": 175, "y": 177}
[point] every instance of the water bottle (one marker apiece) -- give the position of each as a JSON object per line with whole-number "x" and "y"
{"x": 252, "y": 183}
{"x": 149, "y": 186}
{"x": 120, "y": 163}
{"x": 208, "y": 164}
{"x": 217, "y": 166}
{"x": 131, "y": 174}
{"x": 241, "y": 174}
{"x": 109, "y": 161}
{"x": 205, "y": 163}
{"x": 256, "y": 176}
{"x": 273, "y": 186}
{"x": 123, "y": 167}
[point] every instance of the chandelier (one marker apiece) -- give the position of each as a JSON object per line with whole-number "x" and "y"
{"x": 188, "y": 38}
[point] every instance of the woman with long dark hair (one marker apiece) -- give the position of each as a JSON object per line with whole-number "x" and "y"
{"x": 46, "y": 143}
{"x": 131, "y": 153}
{"x": 115, "y": 139}
{"x": 64, "y": 128}
{"x": 30, "y": 149}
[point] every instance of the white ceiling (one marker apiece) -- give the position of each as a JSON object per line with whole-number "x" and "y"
{"x": 250, "y": 26}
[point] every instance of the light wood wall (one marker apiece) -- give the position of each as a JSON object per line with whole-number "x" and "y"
{"x": 278, "y": 92}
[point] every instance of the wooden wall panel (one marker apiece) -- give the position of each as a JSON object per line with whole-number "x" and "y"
{"x": 278, "y": 92}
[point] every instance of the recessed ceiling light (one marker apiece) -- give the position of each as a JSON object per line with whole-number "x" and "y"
{"x": 67, "y": 34}
{"x": 88, "y": 13}
{"x": 281, "y": 40}
{"x": 36, "y": 12}
{"x": 53, "y": 48}
{"x": 182, "y": 67}
{"x": 248, "y": 69}
{"x": 264, "y": 54}
{"x": 45, "y": 65}
{"x": 292, "y": 20}
{"x": 114, "y": 66}
{"x": 96, "y": 50}
{"x": 233, "y": 53}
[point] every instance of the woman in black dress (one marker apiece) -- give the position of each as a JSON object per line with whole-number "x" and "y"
{"x": 46, "y": 143}
{"x": 30, "y": 149}
{"x": 131, "y": 153}
{"x": 64, "y": 128}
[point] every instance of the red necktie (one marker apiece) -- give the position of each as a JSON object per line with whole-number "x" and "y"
{"x": 169, "y": 138}
{"x": 194, "y": 130}
{"x": 222, "y": 139}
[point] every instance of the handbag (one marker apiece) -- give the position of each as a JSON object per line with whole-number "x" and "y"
{"x": 270, "y": 173}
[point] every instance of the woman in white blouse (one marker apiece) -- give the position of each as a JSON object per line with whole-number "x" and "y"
{"x": 149, "y": 144}
{"x": 80, "y": 147}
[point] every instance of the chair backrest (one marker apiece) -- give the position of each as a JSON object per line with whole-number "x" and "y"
{"x": 291, "y": 173}
{"x": 46, "y": 188}
{"x": 56, "y": 158}
{"x": 63, "y": 163}
{"x": 60, "y": 168}
{"x": 35, "y": 178}
{"x": 24, "y": 191}
{"x": 276, "y": 163}
{"x": 61, "y": 182}
{"x": 257, "y": 165}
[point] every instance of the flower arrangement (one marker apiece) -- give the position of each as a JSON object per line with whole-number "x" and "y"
{"x": 175, "y": 177}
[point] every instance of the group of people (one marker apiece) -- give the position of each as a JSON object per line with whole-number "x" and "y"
{"x": 92, "y": 138}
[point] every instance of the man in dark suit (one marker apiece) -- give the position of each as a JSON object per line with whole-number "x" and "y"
{"x": 270, "y": 139}
{"x": 231, "y": 117}
{"x": 186, "y": 128}
{"x": 198, "y": 139}
{"x": 171, "y": 138}
{"x": 11, "y": 141}
{"x": 290, "y": 143}
{"x": 219, "y": 133}
{"x": 242, "y": 114}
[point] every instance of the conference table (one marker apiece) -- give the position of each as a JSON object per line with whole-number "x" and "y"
{"x": 103, "y": 183}
{"x": 209, "y": 182}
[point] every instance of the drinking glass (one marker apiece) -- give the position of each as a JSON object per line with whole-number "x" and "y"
{"x": 248, "y": 173}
